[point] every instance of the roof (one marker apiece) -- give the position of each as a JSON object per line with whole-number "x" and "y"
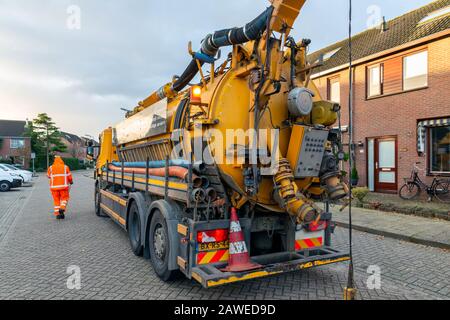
{"x": 71, "y": 138}
{"x": 401, "y": 30}
{"x": 11, "y": 128}
{"x": 74, "y": 139}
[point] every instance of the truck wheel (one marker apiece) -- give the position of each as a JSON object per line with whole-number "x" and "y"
{"x": 134, "y": 230}
{"x": 159, "y": 246}
{"x": 5, "y": 186}
{"x": 98, "y": 209}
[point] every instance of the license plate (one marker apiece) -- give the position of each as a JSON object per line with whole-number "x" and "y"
{"x": 213, "y": 246}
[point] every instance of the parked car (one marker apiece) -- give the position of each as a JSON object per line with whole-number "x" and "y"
{"x": 26, "y": 176}
{"x": 7, "y": 181}
{"x": 13, "y": 175}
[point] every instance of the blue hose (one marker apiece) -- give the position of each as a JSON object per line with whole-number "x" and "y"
{"x": 153, "y": 164}
{"x": 197, "y": 166}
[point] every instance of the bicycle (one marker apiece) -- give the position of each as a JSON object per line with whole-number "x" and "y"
{"x": 440, "y": 188}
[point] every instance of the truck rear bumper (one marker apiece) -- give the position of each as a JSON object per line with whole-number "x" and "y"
{"x": 273, "y": 264}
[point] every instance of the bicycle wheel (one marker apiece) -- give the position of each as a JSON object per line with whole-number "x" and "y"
{"x": 442, "y": 191}
{"x": 409, "y": 191}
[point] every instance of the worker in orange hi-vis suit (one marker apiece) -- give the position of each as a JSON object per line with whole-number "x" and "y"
{"x": 60, "y": 181}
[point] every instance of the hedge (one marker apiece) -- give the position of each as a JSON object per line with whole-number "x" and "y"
{"x": 74, "y": 164}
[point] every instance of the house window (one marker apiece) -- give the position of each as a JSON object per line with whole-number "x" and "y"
{"x": 440, "y": 149}
{"x": 415, "y": 71}
{"x": 330, "y": 54}
{"x": 334, "y": 90}
{"x": 438, "y": 14}
{"x": 17, "y": 144}
{"x": 374, "y": 80}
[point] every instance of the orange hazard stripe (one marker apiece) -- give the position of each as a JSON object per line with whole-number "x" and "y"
{"x": 308, "y": 243}
{"x": 212, "y": 257}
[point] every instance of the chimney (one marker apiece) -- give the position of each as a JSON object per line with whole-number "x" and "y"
{"x": 384, "y": 25}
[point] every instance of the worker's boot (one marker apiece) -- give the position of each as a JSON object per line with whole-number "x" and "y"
{"x": 61, "y": 214}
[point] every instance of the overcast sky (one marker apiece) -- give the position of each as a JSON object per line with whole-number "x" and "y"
{"x": 124, "y": 49}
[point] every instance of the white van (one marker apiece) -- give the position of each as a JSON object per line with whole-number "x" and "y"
{"x": 7, "y": 181}
{"x": 24, "y": 174}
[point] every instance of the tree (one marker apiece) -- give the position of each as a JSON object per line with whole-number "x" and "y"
{"x": 45, "y": 137}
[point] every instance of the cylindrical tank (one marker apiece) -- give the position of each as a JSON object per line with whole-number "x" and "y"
{"x": 227, "y": 101}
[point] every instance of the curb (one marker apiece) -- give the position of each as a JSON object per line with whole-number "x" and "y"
{"x": 397, "y": 236}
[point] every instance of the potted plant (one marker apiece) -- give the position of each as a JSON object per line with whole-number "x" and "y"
{"x": 360, "y": 194}
{"x": 355, "y": 177}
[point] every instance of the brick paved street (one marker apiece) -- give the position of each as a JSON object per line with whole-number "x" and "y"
{"x": 36, "y": 250}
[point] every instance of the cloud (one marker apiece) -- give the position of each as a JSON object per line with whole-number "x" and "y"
{"x": 123, "y": 51}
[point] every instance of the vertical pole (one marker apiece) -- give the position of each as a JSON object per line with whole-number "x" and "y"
{"x": 146, "y": 174}
{"x": 350, "y": 291}
{"x": 123, "y": 172}
{"x": 350, "y": 111}
{"x": 107, "y": 170}
{"x": 166, "y": 184}
{"x": 47, "y": 147}
{"x": 132, "y": 182}
{"x": 328, "y": 221}
{"x": 213, "y": 72}
{"x": 190, "y": 186}
{"x": 114, "y": 176}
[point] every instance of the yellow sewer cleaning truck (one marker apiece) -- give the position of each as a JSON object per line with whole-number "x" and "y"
{"x": 215, "y": 174}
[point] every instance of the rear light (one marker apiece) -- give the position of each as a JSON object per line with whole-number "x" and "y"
{"x": 209, "y": 236}
{"x": 317, "y": 226}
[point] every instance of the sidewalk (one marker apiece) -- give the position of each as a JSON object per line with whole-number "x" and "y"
{"x": 425, "y": 231}
{"x": 418, "y": 207}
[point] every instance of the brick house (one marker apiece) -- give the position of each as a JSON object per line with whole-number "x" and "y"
{"x": 14, "y": 146}
{"x": 75, "y": 146}
{"x": 401, "y": 78}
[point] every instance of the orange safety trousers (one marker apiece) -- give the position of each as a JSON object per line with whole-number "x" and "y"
{"x": 60, "y": 200}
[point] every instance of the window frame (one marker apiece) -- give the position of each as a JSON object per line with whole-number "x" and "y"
{"x": 14, "y": 147}
{"x": 331, "y": 81}
{"x": 435, "y": 15}
{"x": 404, "y": 57}
{"x": 382, "y": 61}
{"x": 380, "y": 65}
{"x": 429, "y": 149}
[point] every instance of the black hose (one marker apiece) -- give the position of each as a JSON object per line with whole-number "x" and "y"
{"x": 226, "y": 37}
{"x": 188, "y": 74}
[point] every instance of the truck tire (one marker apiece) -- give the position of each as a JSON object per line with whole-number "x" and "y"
{"x": 5, "y": 186}
{"x": 159, "y": 246}
{"x": 98, "y": 209}
{"x": 134, "y": 230}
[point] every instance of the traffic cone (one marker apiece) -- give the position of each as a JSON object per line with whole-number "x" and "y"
{"x": 238, "y": 258}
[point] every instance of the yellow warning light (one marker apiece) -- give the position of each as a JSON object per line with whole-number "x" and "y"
{"x": 196, "y": 91}
{"x": 196, "y": 94}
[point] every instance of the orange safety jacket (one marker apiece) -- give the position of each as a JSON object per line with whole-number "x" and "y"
{"x": 59, "y": 175}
